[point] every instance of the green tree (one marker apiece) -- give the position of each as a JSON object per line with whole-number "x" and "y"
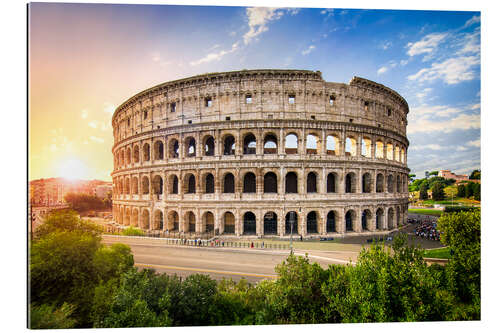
{"x": 462, "y": 234}
{"x": 437, "y": 191}
{"x": 66, "y": 220}
{"x": 48, "y": 316}
{"x": 477, "y": 191}
{"x": 461, "y": 191}
{"x": 423, "y": 191}
{"x": 433, "y": 173}
{"x": 476, "y": 174}
{"x": 82, "y": 202}
{"x": 469, "y": 189}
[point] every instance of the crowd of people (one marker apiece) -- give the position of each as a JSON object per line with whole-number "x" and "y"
{"x": 427, "y": 229}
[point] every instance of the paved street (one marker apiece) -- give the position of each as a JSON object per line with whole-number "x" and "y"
{"x": 252, "y": 264}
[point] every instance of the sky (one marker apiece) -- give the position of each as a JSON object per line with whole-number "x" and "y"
{"x": 86, "y": 59}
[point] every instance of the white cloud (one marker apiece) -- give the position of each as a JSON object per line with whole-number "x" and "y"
{"x": 385, "y": 45}
{"x": 434, "y": 110}
{"x": 258, "y": 18}
{"x": 471, "y": 43}
{"x": 475, "y": 143}
{"x": 423, "y": 93}
{"x": 428, "y": 44}
{"x": 472, "y": 20}
{"x": 215, "y": 56}
{"x": 451, "y": 71}
{"x": 308, "y": 50}
{"x": 403, "y": 62}
{"x": 461, "y": 122}
{"x": 84, "y": 114}
{"x": 96, "y": 139}
{"x": 431, "y": 146}
{"x": 382, "y": 70}
{"x": 327, "y": 11}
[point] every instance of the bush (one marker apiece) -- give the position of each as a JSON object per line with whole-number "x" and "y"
{"x": 456, "y": 209}
{"x": 66, "y": 220}
{"x": 437, "y": 191}
{"x": 49, "y": 317}
{"x": 131, "y": 231}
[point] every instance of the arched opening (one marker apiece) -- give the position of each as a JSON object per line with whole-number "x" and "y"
{"x": 209, "y": 183}
{"x": 350, "y": 183}
{"x": 158, "y": 224}
{"x": 331, "y": 145}
{"x": 209, "y": 146}
{"x": 249, "y": 144}
{"x": 135, "y": 218}
{"x": 396, "y": 154}
{"x": 367, "y": 183}
{"x": 379, "y": 219}
{"x": 173, "y": 221}
{"x": 330, "y": 222}
{"x": 145, "y": 219}
{"x": 249, "y": 183}
{"x": 173, "y": 148}
{"x": 291, "y": 183}
{"x": 379, "y": 149}
{"x": 127, "y": 216}
{"x": 136, "y": 154}
{"x": 402, "y": 155}
{"x": 311, "y": 183}
{"x": 270, "y": 144}
{"x": 331, "y": 183}
{"x": 122, "y": 158}
{"x": 366, "y": 147}
{"x": 390, "y": 152}
{"x": 121, "y": 217}
{"x": 229, "y": 145}
{"x": 390, "y": 218}
{"x": 380, "y": 183}
{"x": 398, "y": 184}
{"x": 190, "y": 222}
{"x": 229, "y": 183}
{"x": 291, "y": 144}
{"x": 270, "y": 183}
{"x": 270, "y": 223}
{"x": 190, "y": 147}
{"x": 158, "y": 147}
{"x": 349, "y": 217}
{"x": 191, "y": 184}
{"x": 365, "y": 218}
{"x": 249, "y": 224}
{"x": 311, "y": 144}
{"x": 291, "y": 222}
{"x": 398, "y": 217}
{"x": 145, "y": 185}
{"x": 229, "y": 223}
{"x": 129, "y": 153}
{"x": 127, "y": 186}
{"x": 208, "y": 222}
{"x": 157, "y": 185}
{"x": 390, "y": 184}
{"x": 146, "y": 152}
{"x": 135, "y": 185}
{"x": 350, "y": 146}
{"x": 312, "y": 223}
{"x": 174, "y": 184}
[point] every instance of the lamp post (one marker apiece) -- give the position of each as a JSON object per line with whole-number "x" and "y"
{"x": 292, "y": 220}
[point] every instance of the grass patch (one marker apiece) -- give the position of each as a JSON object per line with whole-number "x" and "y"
{"x": 441, "y": 253}
{"x": 425, "y": 212}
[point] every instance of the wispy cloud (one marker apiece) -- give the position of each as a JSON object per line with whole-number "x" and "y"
{"x": 385, "y": 45}
{"x": 308, "y": 50}
{"x": 460, "y": 122}
{"x": 431, "y": 146}
{"x": 382, "y": 70}
{"x": 96, "y": 139}
{"x": 258, "y": 19}
{"x": 473, "y": 20}
{"x": 474, "y": 143}
{"x": 451, "y": 71}
{"x": 426, "y": 45}
{"x": 214, "y": 56}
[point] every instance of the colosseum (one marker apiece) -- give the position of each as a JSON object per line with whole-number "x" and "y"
{"x": 258, "y": 153}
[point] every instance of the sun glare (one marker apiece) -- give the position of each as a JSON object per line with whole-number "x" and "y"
{"x": 73, "y": 169}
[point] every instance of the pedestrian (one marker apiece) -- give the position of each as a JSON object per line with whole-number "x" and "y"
{"x": 252, "y": 245}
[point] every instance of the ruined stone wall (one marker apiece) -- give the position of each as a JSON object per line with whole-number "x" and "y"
{"x": 177, "y": 144}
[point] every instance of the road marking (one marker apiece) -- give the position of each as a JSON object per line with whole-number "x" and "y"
{"x": 205, "y": 270}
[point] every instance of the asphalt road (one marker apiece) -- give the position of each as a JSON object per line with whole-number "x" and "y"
{"x": 252, "y": 264}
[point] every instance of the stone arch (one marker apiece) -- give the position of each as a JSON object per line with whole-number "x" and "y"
{"x": 270, "y": 144}
{"x": 350, "y": 146}
{"x": 122, "y": 157}
{"x": 189, "y": 222}
{"x": 398, "y": 184}
{"x": 312, "y": 222}
{"x": 350, "y": 218}
{"x": 127, "y": 185}
{"x": 146, "y": 152}
{"x": 173, "y": 221}
{"x": 249, "y": 223}
{"x": 174, "y": 184}
{"x": 379, "y": 149}
{"x": 312, "y": 144}
{"x": 390, "y": 152}
{"x": 135, "y": 217}
{"x": 229, "y": 144}
{"x": 136, "y": 154}
{"x": 135, "y": 185}
{"x": 332, "y": 145}
{"x": 209, "y": 183}
{"x": 145, "y": 219}
{"x": 390, "y": 183}
{"x": 129, "y": 155}
{"x": 249, "y": 144}
{"x": 312, "y": 182}
{"x": 209, "y": 145}
{"x": 331, "y": 221}
{"x": 127, "y": 216}
{"x": 402, "y": 155}
{"x": 367, "y": 183}
{"x": 208, "y": 222}
{"x": 379, "y": 219}
{"x": 145, "y": 185}
{"x": 228, "y": 222}
{"x": 228, "y": 186}
{"x": 121, "y": 216}
{"x": 350, "y": 183}
{"x": 398, "y": 217}
{"x": 270, "y": 182}
{"x": 189, "y": 183}
{"x": 332, "y": 182}
{"x": 249, "y": 183}
{"x": 158, "y": 150}
{"x": 190, "y": 144}
{"x": 291, "y": 182}
{"x": 390, "y": 218}
{"x": 158, "y": 220}
{"x": 157, "y": 185}
{"x": 380, "y": 183}
{"x": 291, "y": 143}
{"x": 366, "y": 220}
{"x": 291, "y": 221}
{"x": 366, "y": 147}
{"x": 396, "y": 153}
{"x": 270, "y": 223}
{"x": 173, "y": 148}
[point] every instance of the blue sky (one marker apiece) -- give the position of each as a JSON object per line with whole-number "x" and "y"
{"x": 104, "y": 54}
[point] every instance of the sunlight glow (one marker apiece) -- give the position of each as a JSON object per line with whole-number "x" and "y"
{"x": 73, "y": 169}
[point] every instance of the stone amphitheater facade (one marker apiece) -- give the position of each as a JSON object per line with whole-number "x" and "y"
{"x": 261, "y": 152}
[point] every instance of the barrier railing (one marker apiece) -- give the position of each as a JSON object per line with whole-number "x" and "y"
{"x": 225, "y": 244}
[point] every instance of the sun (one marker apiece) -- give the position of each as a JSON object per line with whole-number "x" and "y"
{"x": 73, "y": 169}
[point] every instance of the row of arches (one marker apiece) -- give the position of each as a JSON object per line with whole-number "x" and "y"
{"x": 249, "y": 223}
{"x": 269, "y": 183}
{"x": 268, "y": 144}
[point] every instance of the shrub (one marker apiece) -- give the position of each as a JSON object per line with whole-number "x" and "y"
{"x": 131, "y": 231}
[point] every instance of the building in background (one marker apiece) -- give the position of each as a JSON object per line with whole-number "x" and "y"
{"x": 447, "y": 174}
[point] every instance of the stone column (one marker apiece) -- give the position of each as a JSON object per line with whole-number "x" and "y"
{"x": 359, "y": 145}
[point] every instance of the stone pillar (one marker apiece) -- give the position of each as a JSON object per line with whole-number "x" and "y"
{"x": 359, "y": 145}
{"x": 323, "y": 143}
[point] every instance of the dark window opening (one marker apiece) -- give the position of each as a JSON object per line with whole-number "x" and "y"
{"x": 270, "y": 223}
{"x": 332, "y": 99}
{"x": 191, "y": 184}
{"x": 209, "y": 183}
{"x": 270, "y": 183}
{"x": 389, "y": 111}
{"x": 349, "y": 188}
{"x": 210, "y": 147}
{"x": 229, "y": 145}
{"x": 145, "y": 114}
{"x": 380, "y": 183}
{"x": 330, "y": 222}
{"x": 175, "y": 185}
{"x": 249, "y": 144}
{"x": 229, "y": 183}
{"x": 366, "y": 105}
{"x": 173, "y": 106}
{"x": 191, "y": 147}
{"x": 311, "y": 183}
{"x": 174, "y": 150}
{"x": 366, "y": 183}
{"x": 228, "y": 118}
{"x": 330, "y": 183}
{"x": 208, "y": 102}
{"x": 291, "y": 182}
{"x": 348, "y": 221}
{"x": 291, "y": 222}
{"x": 249, "y": 183}
{"x": 312, "y": 224}
{"x": 249, "y": 224}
